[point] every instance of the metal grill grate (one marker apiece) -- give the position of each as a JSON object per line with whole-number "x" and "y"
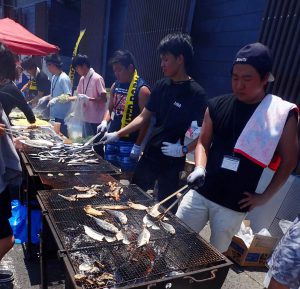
{"x": 159, "y": 259}
{"x": 52, "y": 165}
{"x": 52, "y": 201}
{"x": 70, "y": 179}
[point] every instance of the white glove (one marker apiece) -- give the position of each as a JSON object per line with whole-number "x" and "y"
{"x": 52, "y": 101}
{"x": 197, "y": 176}
{"x": 43, "y": 99}
{"x": 135, "y": 152}
{"x": 102, "y": 126}
{"x": 83, "y": 97}
{"x": 172, "y": 149}
{"x": 110, "y": 137}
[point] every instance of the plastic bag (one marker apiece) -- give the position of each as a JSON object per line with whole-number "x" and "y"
{"x": 19, "y": 225}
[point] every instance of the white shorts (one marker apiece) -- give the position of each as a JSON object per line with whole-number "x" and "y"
{"x": 195, "y": 211}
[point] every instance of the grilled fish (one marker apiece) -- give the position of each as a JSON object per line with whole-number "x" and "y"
{"x": 149, "y": 223}
{"x": 169, "y": 228}
{"x": 119, "y": 215}
{"x": 93, "y": 234}
{"x": 89, "y": 210}
{"x": 105, "y": 225}
{"x": 105, "y": 276}
{"x": 112, "y": 207}
{"x": 91, "y": 161}
{"x": 76, "y": 197}
{"x": 70, "y": 198}
{"x": 97, "y": 236}
{"x": 137, "y": 206}
{"x": 144, "y": 237}
{"x": 81, "y": 189}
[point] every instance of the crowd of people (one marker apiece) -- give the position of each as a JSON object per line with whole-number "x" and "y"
{"x": 241, "y": 134}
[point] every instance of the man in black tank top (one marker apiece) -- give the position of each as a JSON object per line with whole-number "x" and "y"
{"x": 229, "y": 175}
{"x": 175, "y": 101}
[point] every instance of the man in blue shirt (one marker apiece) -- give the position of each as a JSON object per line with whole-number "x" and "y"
{"x": 60, "y": 84}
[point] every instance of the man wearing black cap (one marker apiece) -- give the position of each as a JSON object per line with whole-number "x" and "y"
{"x": 241, "y": 135}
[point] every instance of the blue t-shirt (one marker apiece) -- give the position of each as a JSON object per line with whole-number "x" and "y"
{"x": 60, "y": 84}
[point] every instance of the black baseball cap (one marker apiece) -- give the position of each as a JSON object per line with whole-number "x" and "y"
{"x": 258, "y": 56}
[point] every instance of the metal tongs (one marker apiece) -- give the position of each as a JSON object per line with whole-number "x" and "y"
{"x": 77, "y": 149}
{"x": 89, "y": 143}
{"x": 153, "y": 211}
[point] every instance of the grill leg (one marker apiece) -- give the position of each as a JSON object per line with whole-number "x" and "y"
{"x": 43, "y": 256}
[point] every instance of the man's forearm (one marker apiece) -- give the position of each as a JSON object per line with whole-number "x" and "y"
{"x": 200, "y": 155}
{"x": 135, "y": 125}
{"x": 142, "y": 133}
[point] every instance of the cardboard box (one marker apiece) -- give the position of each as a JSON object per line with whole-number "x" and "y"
{"x": 256, "y": 255}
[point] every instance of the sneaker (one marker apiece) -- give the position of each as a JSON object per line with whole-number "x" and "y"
{"x": 6, "y": 276}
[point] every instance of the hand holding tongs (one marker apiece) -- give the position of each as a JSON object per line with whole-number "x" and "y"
{"x": 153, "y": 211}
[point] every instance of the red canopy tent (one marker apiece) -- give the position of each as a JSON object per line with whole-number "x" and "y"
{"x": 20, "y": 41}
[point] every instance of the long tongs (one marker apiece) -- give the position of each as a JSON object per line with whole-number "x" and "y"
{"x": 89, "y": 143}
{"x": 85, "y": 146}
{"x": 153, "y": 211}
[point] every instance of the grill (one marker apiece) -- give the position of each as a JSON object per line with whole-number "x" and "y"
{"x": 52, "y": 165}
{"x": 162, "y": 258}
{"x": 70, "y": 179}
{"x": 166, "y": 258}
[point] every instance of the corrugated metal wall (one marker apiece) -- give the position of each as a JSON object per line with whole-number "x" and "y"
{"x": 93, "y": 19}
{"x": 147, "y": 23}
{"x": 220, "y": 28}
{"x": 281, "y": 32}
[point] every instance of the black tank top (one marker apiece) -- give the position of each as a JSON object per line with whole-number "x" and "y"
{"x": 222, "y": 186}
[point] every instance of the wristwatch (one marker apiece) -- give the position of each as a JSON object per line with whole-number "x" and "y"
{"x": 185, "y": 150}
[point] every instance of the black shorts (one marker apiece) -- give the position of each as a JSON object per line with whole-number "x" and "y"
{"x": 5, "y": 214}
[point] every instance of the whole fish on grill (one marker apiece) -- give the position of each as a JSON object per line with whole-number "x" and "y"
{"x": 137, "y": 206}
{"x": 105, "y": 276}
{"x": 105, "y": 225}
{"x": 91, "y": 161}
{"x": 81, "y": 189}
{"x": 97, "y": 187}
{"x": 97, "y": 236}
{"x": 90, "y": 210}
{"x": 149, "y": 223}
{"x": 112, "y": 207}
{"x": 143, "y": 238}
{"x": 70, "y": 198}
{"x": 76, "y": 197}
{"x": 119, "y": 215}
{"x": 169, "y": 228}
